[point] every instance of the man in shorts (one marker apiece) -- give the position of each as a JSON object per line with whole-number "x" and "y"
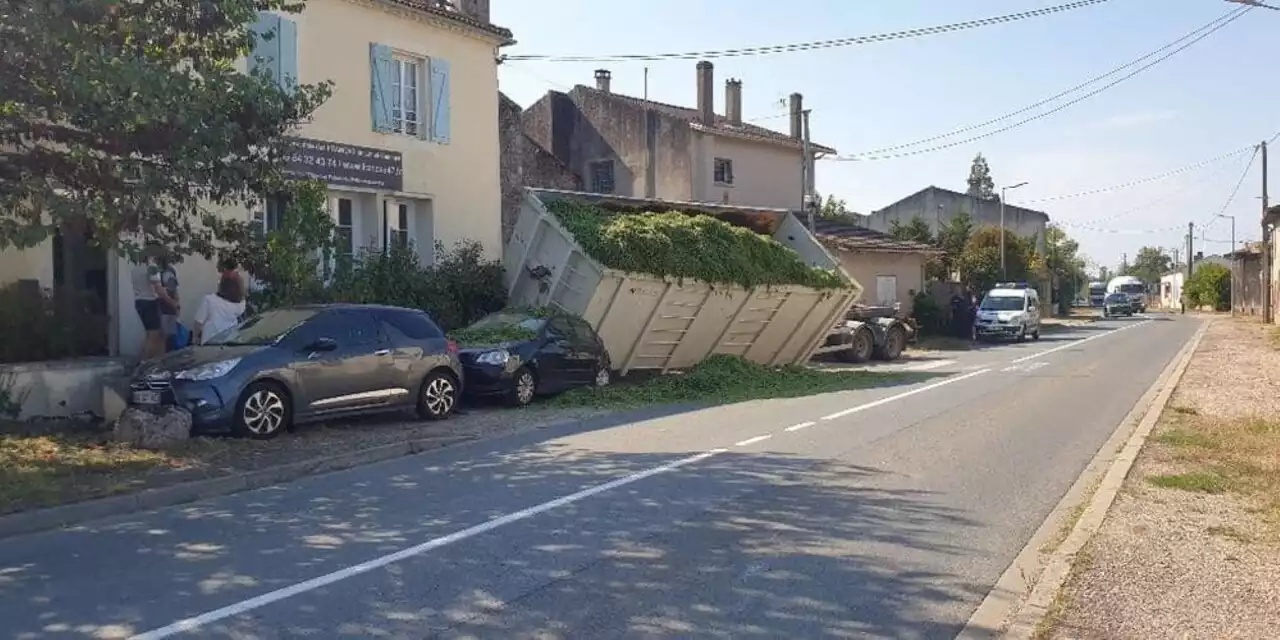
{"x": 148, "y": 296}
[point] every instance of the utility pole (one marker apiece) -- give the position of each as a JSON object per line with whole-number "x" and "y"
{"x": 1267, "y": 250}
{"x": 806, "y": 174}
{"x": 1191, "y": 232}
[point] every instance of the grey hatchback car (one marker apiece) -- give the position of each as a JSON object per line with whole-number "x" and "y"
{"x": 307, "y": 363}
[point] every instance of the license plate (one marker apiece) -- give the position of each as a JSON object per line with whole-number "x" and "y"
{"x": 146, "y": 397}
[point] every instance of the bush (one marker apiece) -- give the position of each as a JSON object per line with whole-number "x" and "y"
{"x": 929, "y": 314}
{"x": 681, "y": 245}
{"x": 460, "y": 288}
{"x": 1210, "y": 286}
{"x": 49, "y": 324}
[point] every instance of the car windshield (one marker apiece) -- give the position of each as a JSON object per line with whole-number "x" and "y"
{"x": 262, "y": 329}
{"x": 1133, "y": 288}
{"x": 1117, "y": 297}
{"x": 507, "y": 319}
{"x": 1002, "y": 303}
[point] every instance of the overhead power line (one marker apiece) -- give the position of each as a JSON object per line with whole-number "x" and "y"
{"x": 1053, "y": 98}
{"x": 1234, "y": 192}
{"x": 1141, "y": 181}
{"x": 810, "y": 46}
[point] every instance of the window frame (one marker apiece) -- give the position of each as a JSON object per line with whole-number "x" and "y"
{"x": 400, "y": 62}
{"x": 721, "y": 169}
{"x": 595, "y": 180}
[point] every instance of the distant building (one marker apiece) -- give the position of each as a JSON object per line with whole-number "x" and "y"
{"x": 890, "y": 271}
{"x": 937, "y": 206}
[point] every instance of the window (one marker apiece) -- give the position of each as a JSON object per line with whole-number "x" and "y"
{"x": 414, "y": 326}
{"x": 583, "y": 334}
{"x": 724, "y": 171}
{"x": 601, "y": 173}
{"x": 886, "y": 290}
{"x": 399, "y": 231}
{"x": 344, "y": 233}
{"x": 560, "y": 328}
{"x": 406, "y": 116}
{"x": 270, "y": 215}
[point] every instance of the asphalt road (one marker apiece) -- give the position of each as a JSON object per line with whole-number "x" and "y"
{"x": 885, "y": 512}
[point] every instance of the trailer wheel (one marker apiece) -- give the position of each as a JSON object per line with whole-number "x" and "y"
{"x": 895, "y": 340}
{"x": 861, "y": 346}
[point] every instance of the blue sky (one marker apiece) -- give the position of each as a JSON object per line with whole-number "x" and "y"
{"x": 1216, "y": 96}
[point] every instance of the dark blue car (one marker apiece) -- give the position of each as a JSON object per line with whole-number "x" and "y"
{"x": 550, "y": 353}
{"x": 307, "y": 363}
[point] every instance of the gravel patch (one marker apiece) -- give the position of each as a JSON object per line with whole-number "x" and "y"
{"x": 1202, "y": 563}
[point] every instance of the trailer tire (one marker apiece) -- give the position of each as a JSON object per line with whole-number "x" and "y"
{"x": 861, "y": 347}
{"x": 895, "y": 341}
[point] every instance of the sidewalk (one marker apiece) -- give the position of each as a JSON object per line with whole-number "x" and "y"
{"x": 1191, "y": 547}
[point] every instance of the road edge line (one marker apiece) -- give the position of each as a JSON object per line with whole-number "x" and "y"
{"x": 1023, "y": 594}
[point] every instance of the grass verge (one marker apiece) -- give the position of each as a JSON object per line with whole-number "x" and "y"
{"x": 1213, "y": 455}
{"x": 725, "y": 379}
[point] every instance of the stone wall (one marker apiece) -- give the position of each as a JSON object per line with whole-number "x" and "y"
{"x": 524, "y": 163}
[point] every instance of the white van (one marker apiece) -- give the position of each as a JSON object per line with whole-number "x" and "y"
{"x": 1011, "y": 310}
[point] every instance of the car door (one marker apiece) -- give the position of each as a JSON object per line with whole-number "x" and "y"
{"x": 588, "y": 351}
{"x": 356, "y": 372}
{"x": 417, "y": 346}
{"x": 555, "y": 360}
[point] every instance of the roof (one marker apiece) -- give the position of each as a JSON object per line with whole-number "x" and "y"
{"x": 957, "y": 194}
{"x": 722, "y": 125}
{"x": 432, "y": 7}
{"x": 847, "y": 236}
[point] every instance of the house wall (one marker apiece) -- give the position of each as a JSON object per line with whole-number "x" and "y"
{"x": 525, "y": 164}
{"x": 1246, "y": 283}
{"x": 906, "y": 268}
{"x": 937, "y": 207}
{"x": 764, "y": 175}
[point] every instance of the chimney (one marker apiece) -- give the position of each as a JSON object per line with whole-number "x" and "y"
{"x": 478, "y": 9}
{"x": 706, "y": 97}
{"x": 797, "y": 117}
{"x": 602, "y": 79}
{"x": 733, "y": 101}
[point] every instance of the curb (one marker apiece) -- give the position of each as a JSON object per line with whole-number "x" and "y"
{"x": 1022, "y": 599}
{"x": 146, "y": 500}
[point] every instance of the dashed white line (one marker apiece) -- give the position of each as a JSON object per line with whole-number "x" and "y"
{"x": 1077, "y": 343}
{"x": 751, "y": 441}
{"x": 929, "y": 366}
{"x": 883, "y": 401}
{"x": 245, "y": 606}
{"x": 802, "y": 425}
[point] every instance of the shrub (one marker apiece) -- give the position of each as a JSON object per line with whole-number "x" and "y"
{"x": 1210, "y": 286}
{"x": 929, "y": 314}
{"x": 681, "y": 245}
{"x": 50, "y": 324}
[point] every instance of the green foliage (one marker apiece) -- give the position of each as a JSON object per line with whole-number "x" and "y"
{"x": 952, "y": 238}
{"x": 687, "y": 246}
{"x": 1209, "y": 286}
{"x": 916, "y": 230}
{"x": 834, "y": 208}
{"x": 1066, "y": 268}
{"x": 10, "y": 400}
{"x": 980, "y": 261}
{"x": 1149, "y": 264}
{"x": 981, "y": 185}
{"x": 121, "y": 117}
{"x": 287, "y": 260}
{"x": 50, "y": 325}
{"x": 483, "y": 336}
{"x": 930, "y": 316}
{"x": 461, "y": 287}
{"x": 723, "y": 379}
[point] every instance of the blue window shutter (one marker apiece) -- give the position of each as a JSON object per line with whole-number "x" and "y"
{"x": 266, "y": 45}
{"x": 382, "y": 71}
{"x": 440, "y": 100}
{"x": 288, "y": 60}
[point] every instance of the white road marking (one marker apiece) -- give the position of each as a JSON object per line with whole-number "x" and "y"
{"x": 929, "y": 366}
{"x": 1077, "y": 343}
{"x": 1026, "y": 367}
{"x": 802, "y": 425}
{"x": 883, "y": 401}
{"x": 751, "y": 441}
{"x": 244, "y": 606}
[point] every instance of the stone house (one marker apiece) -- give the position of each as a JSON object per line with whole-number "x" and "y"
{"x": 890, "y": 271}
{"x": 937, "y": 206}
{"x": 635, "y": 147}
{"x": 525, "y": 163}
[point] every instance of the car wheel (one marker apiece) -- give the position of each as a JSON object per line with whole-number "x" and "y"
{"x": 895, "y": 341}
{"x": 1035, "y": 335}
{"x": 524, "y": 386}
{"x": 603, "y": 376}
{"x": 861, "y": 347}
{"x": 438, "y": 396}
{"x": 263, "y": 411}
{"x": 1022, "y": 333}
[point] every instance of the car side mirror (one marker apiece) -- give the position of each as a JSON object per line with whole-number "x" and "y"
{"x": 323, "y": 344}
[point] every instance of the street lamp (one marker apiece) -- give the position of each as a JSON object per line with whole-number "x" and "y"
{"x": 1004, "y": 272}
{"x": 1234, "y": 258}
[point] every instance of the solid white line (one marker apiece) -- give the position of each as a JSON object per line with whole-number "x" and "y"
{"x": 245, "y": 606}
{"x": 882, "y": 401}
{"x": 802, "y": 425}
{"x": 750, "y": 441}
{"x": 1077, "y": 343}
{"x": 929, "y": 366}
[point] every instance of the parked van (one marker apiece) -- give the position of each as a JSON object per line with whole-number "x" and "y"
{"x": 1011, "y": 310}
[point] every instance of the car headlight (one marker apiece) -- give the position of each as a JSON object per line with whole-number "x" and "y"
{"x": 209, "y": 371}
{"x": 499, "y": 357}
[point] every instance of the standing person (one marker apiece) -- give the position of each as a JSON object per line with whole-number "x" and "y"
{"x": 221, "y": 310}
{"x": 170, "y": 308}
{"x": 148, "y": 292}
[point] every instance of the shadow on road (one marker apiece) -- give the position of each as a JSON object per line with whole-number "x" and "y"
{"x": 739, "y": 545}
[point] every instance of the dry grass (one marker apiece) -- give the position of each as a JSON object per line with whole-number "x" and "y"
{"x": 1191, "y": 547}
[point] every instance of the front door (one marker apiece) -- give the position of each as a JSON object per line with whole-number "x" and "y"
{"x": 358, "y": 373}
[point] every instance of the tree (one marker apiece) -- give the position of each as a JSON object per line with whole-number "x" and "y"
{"x": 980, "y": 261}
{"x": 1150, "y": 264}
{"x": 125, "y": 117}
{"x": 1065, "y": 267}
{"x": 1209, "y": 286}
{"x": 981, "y": 186}
{"x": 916, "y": 230}
{"x": 952, "y": 238}
{"x": 834, "y": 207}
